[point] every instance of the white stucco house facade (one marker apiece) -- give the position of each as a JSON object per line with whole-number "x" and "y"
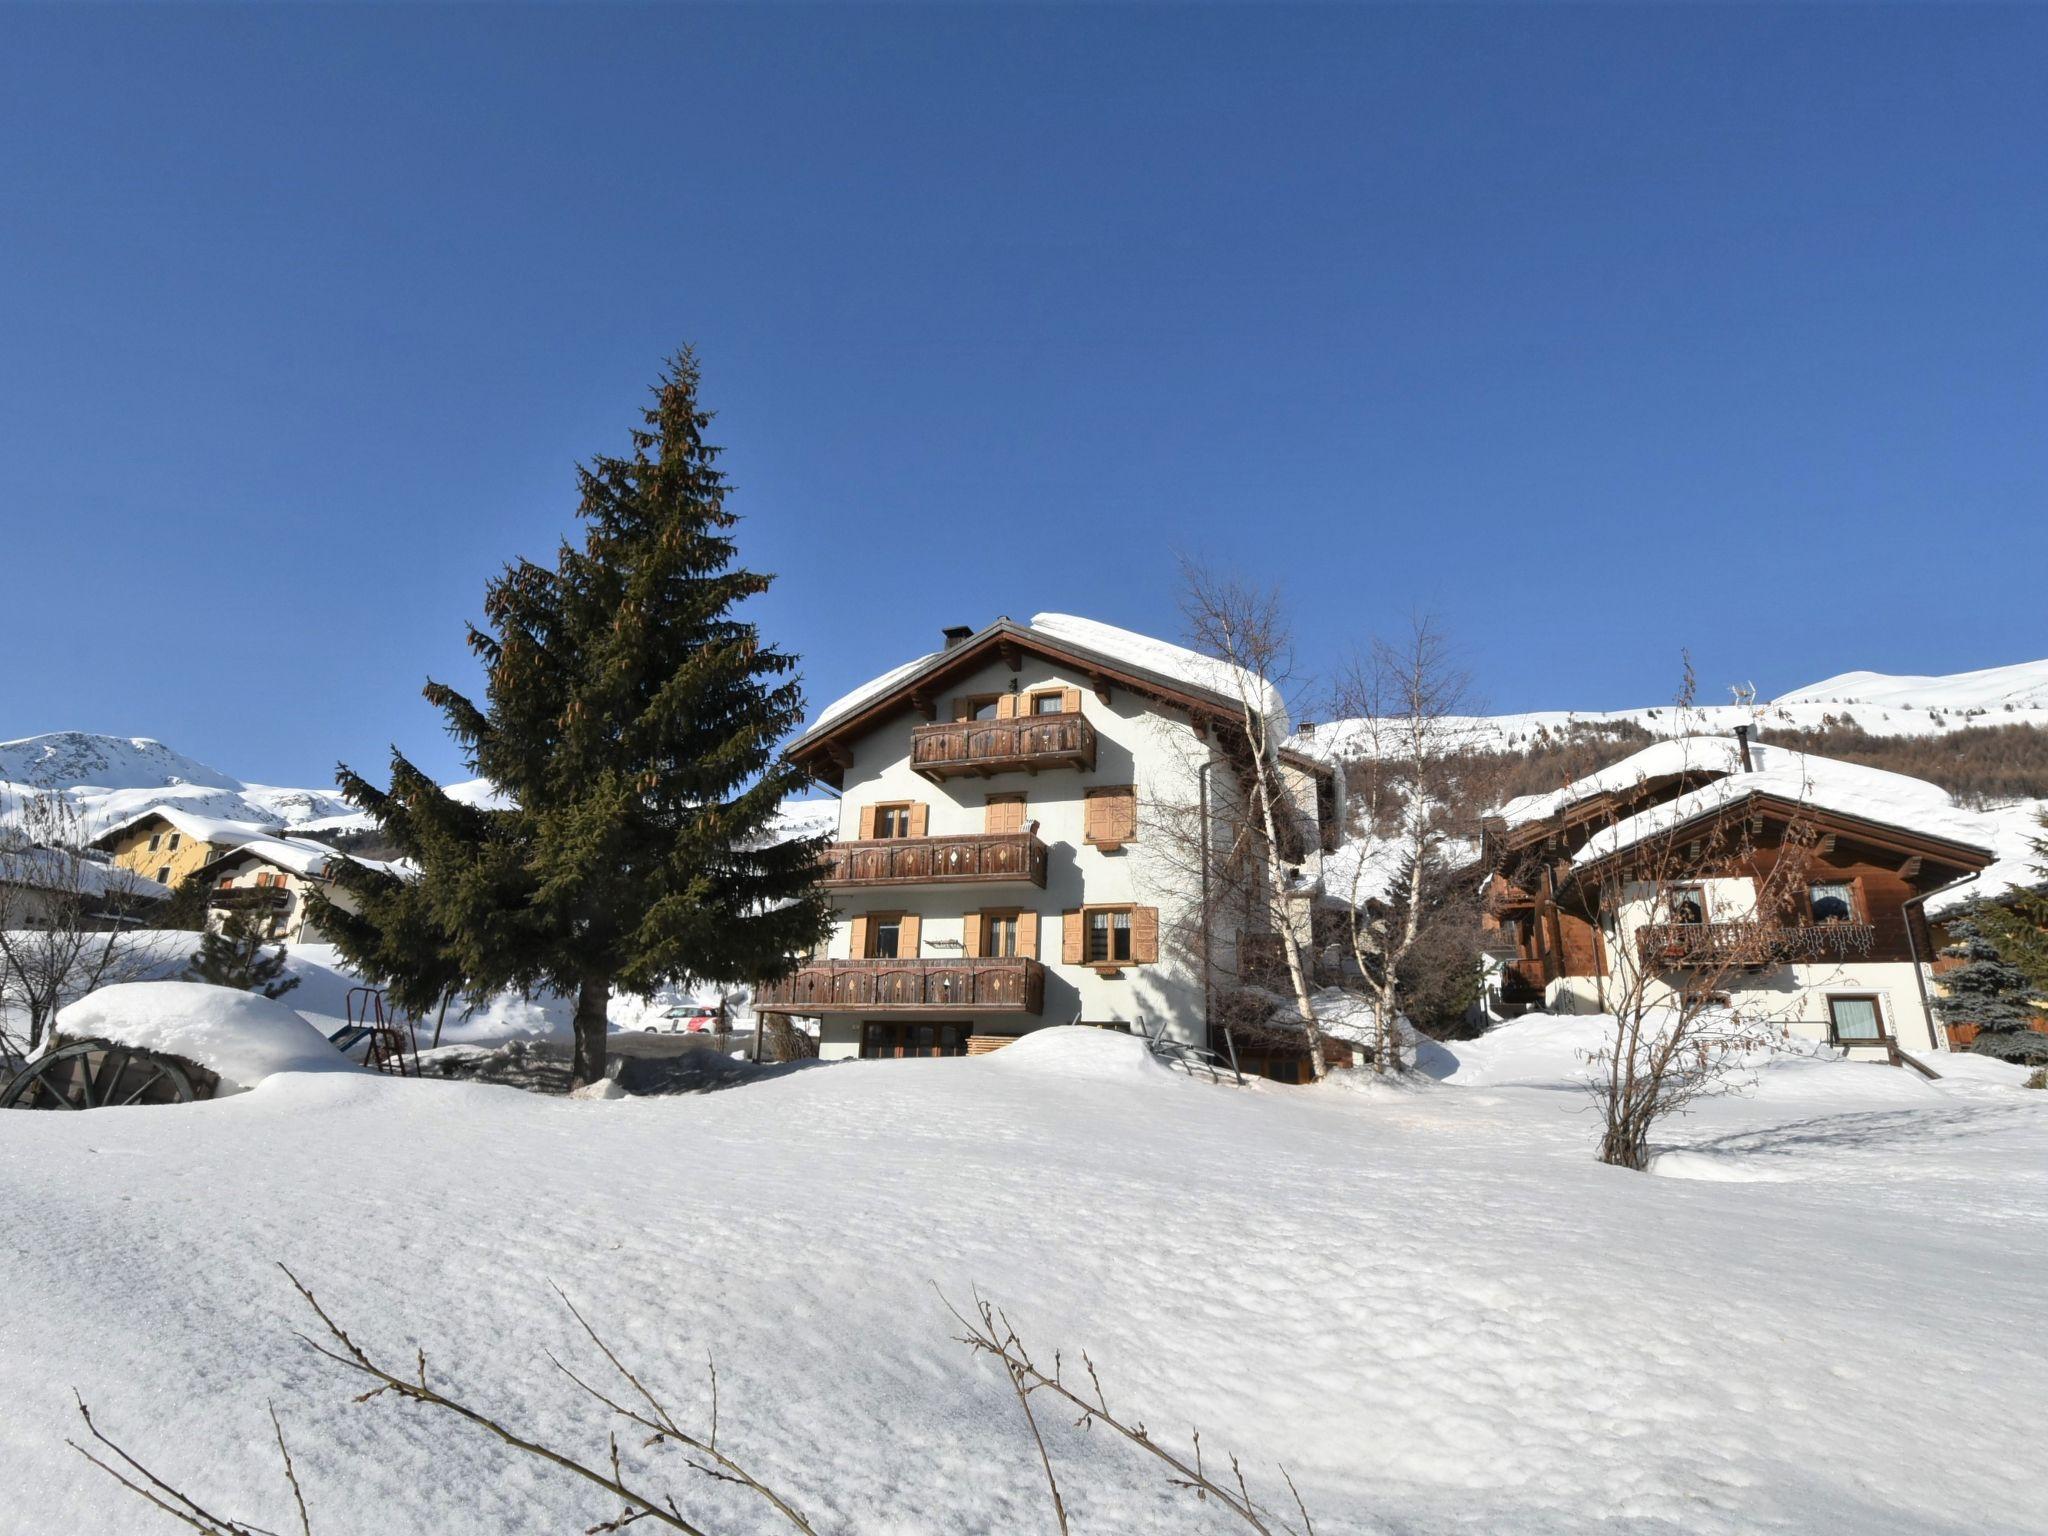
{"x": 1019, "y": 839}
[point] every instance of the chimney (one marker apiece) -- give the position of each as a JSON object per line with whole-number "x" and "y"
{"x": 1308, "y": 728}
{"x": 1742, "y": 743}
{"x": 955, "y": 633}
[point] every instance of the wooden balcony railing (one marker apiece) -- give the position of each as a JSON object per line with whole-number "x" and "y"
{"x": 953, "y": 748}
{"x": 1751, "y": 945}
{"x": 970, "y": 986}
{"x": 987, "y": 857}
{"x": 250, "y": 898}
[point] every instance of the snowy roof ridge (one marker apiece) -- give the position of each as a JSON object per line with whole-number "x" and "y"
{"x": 1231, "y": 684}
{"x": 207, "y": 829}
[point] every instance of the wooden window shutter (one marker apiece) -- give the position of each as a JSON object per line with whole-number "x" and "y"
{"x": 1110, "y": 816}
{"x": 1027, "y": 935}
{"x": 907, "y": 946}
{"x": 867, "y": 821}
{"x": 1006, "y": 706}
{"x": 970, "y": 934}
{"x": 1005, "y": 813}
{"x": 1071, "y": 950}
{"x": 859, "y": 943}
{"x": 918, "y": 814}
{"x": 963, "y": 707}
{"x": 1070, "y": 700}
{"x": 1144, "y": 935}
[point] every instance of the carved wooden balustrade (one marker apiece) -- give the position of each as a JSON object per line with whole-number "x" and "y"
{"x": 969, "y": 986}
{"x": 1752, "y": 945}
{"x": 983, "y": 857}
{"x": 953, "y": 748}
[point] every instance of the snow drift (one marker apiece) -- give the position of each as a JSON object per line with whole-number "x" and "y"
{"x": 239, "y": 1035}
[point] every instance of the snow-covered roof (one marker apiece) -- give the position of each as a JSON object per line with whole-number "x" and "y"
{"x": 217, "y": 830}
{"x": 58, "y": 869}
{"x": 1230, "y": 684}
{"x": 300, "y": 855}
{"x": 1848, "y": 789}
{"x": 2014, "y": 830}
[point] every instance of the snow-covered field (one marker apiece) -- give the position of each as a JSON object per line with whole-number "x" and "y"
{"x": 1431, "y": 1304}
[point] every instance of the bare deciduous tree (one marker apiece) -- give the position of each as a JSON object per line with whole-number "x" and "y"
{"x": 1673, "y": 1043}
{"x": 1404, "y": 707}
{"x": 68, "y": 922}
{"x": 1246, "y": 629}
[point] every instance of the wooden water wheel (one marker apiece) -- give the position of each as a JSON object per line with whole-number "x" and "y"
{"x": 98, "y": 1074}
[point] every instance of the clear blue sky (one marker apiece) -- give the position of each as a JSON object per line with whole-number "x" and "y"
{"x": 1600, "y": 331}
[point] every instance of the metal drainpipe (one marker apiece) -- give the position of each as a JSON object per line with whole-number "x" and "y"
{"x": 1202, "y": 810}
{"x": 1934, "y": 1025}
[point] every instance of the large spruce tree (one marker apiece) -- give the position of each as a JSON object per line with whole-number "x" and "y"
{"x": 633, "y": 719}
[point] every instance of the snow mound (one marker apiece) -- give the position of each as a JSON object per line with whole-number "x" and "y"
{"x": 1078, "y": 1050}
{"x": 1712, "y": 1168}
{"x": 240, "y": 1035}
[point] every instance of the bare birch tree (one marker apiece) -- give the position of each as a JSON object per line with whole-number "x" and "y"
{"x": 1246, "y": 629}
{"x": 1405, "y": 728}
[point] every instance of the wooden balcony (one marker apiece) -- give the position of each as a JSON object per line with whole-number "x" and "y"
{"x": 939, "y": 987}
{"x": 249, "y": 898}
{"x": 1752, "y": 946}
{"x": 1006, "y": 858}
{"x": 957, "y": 748}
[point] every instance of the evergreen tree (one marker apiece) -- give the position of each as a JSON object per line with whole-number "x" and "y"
{"x": 1992, "y": 993}
{"x": 236, "y": 956}
{"x": 634, "y": 721}
{"x": 2017, "y": 922}
{"x": 394, "y": 935}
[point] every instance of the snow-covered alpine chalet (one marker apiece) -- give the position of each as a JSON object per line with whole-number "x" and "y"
{"x": 1013, "y": 841}
{"x": 1590, "y": 884}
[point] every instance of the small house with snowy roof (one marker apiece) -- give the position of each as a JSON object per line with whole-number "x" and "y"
{"x": 1793, "y": 886}
{"x": 1003, "y": 857}
{"x": 271, "y": 876}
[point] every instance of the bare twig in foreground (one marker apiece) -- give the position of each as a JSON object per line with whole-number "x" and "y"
{"x": 155, "y": 1490}
{"x": 990, "y": 1333}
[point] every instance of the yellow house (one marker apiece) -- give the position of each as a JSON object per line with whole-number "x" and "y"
{"x": 166, "y": 842}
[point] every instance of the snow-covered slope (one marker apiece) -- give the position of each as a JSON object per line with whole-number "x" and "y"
{"x": 1871, "y": 701}
{"x": 1433, "y": 1307}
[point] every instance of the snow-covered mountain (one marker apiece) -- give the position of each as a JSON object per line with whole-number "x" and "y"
{"x": 1874, "y": 702}
{"x": 109, "y": 778}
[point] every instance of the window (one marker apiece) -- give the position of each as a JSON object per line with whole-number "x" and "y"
{"x": 979, "y": 706}
{"x": 1005, "y": 813}
{"x": 1688, "y": 903}
{"x": 880, "y": 1040}
{"x": 1832, "y": 901}
{"x": 1855, "y": 1020}
{"x": 885, "y": 938}
{"x": 163, "y": 876}
{"x": 1053, "y": 702}
{"x": 155, "y": 841}
{"x": 998, "y": 935}
{"x": 1109, "y": 936}
{"x": 176, "y": 838}
{"x": 892, "y": 821}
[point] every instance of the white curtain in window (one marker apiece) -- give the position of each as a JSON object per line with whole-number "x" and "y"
{"x": 1855, "y": 1018}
